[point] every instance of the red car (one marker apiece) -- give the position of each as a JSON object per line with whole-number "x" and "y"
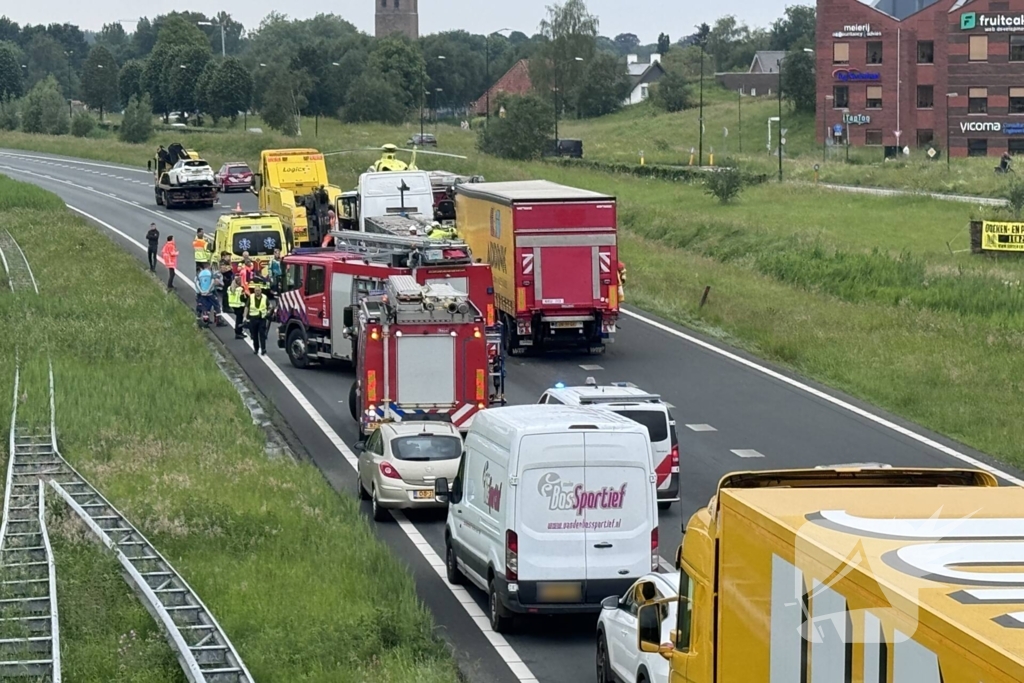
{"x": 234, "y": 175}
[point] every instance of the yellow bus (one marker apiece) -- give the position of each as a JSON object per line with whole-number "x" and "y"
{"x": 849, "y": 575}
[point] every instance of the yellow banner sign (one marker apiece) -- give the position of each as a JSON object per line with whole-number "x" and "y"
{"x": 1002, "y": 236}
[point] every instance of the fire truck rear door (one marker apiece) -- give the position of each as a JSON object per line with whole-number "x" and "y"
{"x": 426, "y": 370}
{"x": 341, "y": 296}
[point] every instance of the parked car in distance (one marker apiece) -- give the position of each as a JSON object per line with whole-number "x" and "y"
{"x": 424, "y": 140}
{"x": 618, "y": 659}
{"x": 190, "y": 172}
{"x": 234, "y": 175}
{"x": 400, "y": 461}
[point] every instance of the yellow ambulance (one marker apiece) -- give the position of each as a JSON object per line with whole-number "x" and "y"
{"x": 849, "y": 574}
{"x": 257, "y": 233}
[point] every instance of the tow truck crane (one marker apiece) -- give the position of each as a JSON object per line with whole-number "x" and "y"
{"x": 323, "y": 285}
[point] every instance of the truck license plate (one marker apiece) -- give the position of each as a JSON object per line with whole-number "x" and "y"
{"x": 424, "y": 495}
{"x": 566, "y": 325}
{"x": 559, "y": 592}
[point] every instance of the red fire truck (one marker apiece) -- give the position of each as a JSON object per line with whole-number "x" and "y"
{"x": 322, "y": 288}
{"x": 423, "y": 354}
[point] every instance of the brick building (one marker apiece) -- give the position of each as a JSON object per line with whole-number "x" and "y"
{"x": 888, "y": 80}
{"x": 515, "y": 81}
{"x": 397, "y": 16}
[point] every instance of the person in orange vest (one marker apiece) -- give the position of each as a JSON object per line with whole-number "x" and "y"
{"x": 245, "y": 272}
{"x": 170, "y": 257}
{"x": 622, "y": 281}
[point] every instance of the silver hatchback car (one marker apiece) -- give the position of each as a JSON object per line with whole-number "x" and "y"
{"x": 400, "y": 461}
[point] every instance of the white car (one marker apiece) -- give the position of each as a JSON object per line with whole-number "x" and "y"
{"x": 190, "y": 172}
{"x": 618, "y": 659}
{"x": 400, "y": 461}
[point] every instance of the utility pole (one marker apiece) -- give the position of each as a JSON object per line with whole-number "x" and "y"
{"x": 68, "y": 54}
{"x": 780, "y": 117}
{"x": 223, "y": 45}
{"x": 739, "y": 110}
{"x": 700, "y": 145}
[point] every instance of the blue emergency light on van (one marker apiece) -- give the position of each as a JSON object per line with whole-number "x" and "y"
{"x": 559, "y": 385}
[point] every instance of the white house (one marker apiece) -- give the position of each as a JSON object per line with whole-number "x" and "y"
{"x": 641, "y": 76}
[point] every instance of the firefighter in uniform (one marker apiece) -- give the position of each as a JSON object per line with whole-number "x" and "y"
{"x": 256, "y": 312}
{"x": 200, "y": 249}
{"x": 236, "y": 302}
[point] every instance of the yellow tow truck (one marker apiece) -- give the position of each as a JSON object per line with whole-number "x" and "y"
{"x": 292, "y": 184}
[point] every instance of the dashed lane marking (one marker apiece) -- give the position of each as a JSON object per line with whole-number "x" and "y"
{"x": 747, "y": 453}
{"x": 860, "y": 412}
{"x": 590, "y": 368}
{"x": 701, "y": 428}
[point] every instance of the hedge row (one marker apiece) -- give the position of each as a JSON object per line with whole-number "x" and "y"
{"x": 673, "y": 173}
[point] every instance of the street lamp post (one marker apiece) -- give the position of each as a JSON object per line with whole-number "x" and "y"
{"x": 700, "y": 116}
{"x": 68, "y": 54}
{"x": 949, "y": 146}
{"x": 223, "y": 47}
{"x": 739, "y": 113}
{"x": 487, "y": 77}
{"x": 780, "y": 117}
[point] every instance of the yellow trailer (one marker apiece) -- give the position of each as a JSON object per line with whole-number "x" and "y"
{"x": 850, "y": 575}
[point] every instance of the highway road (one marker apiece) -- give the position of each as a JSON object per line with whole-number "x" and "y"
{"x": 734, "y": 413}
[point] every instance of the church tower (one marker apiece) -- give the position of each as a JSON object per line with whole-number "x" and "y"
{"x": 398, "y": 16}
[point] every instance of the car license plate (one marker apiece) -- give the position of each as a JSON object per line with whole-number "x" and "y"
{"x": 424, "y": 495}
{"x": 559, "y": 592}
{"x": 566, "y": 325}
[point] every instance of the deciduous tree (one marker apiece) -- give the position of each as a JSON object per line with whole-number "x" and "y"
{"x": 230, "y": 90}
{"x": 129, "y": 81}
{"x": 522, "y": 133}
{"x": 12, "y": 80}
{"x": 46, "y": 110}
{"x": 798, "y": 81}
{"x": 99, "y": 80}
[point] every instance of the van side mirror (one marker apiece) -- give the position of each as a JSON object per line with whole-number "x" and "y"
{"x": 360, "y": 446}
{"x": 649, "y": 618}
{"x": 611, "y": 602}
{"x": 441, "y": 490}
{"x": 455, "y": 496}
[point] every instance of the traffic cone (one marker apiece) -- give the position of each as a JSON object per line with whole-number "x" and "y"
{"x": 238, "y": 207}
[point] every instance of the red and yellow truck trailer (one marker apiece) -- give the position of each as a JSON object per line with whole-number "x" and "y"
{"x": 553, "y": 253}
{"x": 851, "y": 574}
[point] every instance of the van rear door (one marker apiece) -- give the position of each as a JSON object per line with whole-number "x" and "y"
{"x": 552, "y": 541}
{"x": 617, "y": 506}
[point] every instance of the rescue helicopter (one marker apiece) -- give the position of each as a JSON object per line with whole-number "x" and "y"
{"x": 389, "y": 160}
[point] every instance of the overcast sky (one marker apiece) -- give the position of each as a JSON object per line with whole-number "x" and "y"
{"x": 646, "y": 18}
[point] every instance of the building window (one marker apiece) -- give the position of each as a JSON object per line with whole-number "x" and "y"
{"x": 977, "y": 100}
{"x": 874, "y": 52}
{"x": 979, "y": 49}
{"x": 840, "y": 53}
{"x": 925, "y": 137}
{"x": 1016, "y": 147}
{"x": 643, "y": 92}
{"x": 874, "y": 97}
{"x": 1017, "y": 100}
{"x": 873, "y": 137}
{"x": 925, "y": 96}
{"x": 978, "y": 147}
{"x": 840, "y": 96}
{"x": 1017, "y": 48}
{"x": 925, "y": 52}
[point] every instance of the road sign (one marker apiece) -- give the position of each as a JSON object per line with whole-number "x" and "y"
{"x": 838, "y": 129}
{"x": 932, "y": 152}
{"x": 898, "y": 133}
{"x": 785, "y": 130}
{"x": 783, "y": 140}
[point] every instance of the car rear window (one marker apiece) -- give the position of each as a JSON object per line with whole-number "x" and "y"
{"x": 427, "y": 447}
{"x": 655, "y": 421}
{"x": 238, "y": 169}
{"x": 196, "y": 163}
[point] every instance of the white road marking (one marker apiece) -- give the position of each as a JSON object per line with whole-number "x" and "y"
{"x": 48, "y": 160}
{"x": 747, "y": 453}
{"x": 888, "y": 424}
{"x": 701, "y": 428}
{"x": 589, "y": 368}
{"x": 505, "y": 651}
{"x": 666, "y": 566}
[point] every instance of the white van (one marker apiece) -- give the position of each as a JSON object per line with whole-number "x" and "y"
{"x": 648, "y": 409}
{"x": 553, "y": 509}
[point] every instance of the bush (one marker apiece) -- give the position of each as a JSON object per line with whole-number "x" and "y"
{"x": 137, "y": 124}
{"x": 673, "y": 173}
{"x": 82, "y": 125}
{"x": 672, "y": 92}
{"x": 46, "y": 110}
{"x": 725, "y": 184}
{"x": 1014, "y": 194}
{"x": 522, "y": 133}
{"x": 8, "y": 114}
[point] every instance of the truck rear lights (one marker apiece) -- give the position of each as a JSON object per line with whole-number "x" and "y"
{"x": 511, "y": 556}
{"x": 374, "y": 334}
{"x": 388, "y": 470}
{"x": 655, "y": 558}
{"x": 476, "y": 333}
{"x": 675, "y": 458}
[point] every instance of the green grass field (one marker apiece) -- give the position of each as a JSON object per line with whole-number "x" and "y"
{"x": 290, "y": 568}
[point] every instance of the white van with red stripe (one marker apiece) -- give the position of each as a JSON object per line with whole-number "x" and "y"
{"x": 552, "y": 511}
{"x": 648, "y": 409}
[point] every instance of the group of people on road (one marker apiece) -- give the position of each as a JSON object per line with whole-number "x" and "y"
{"x": 219, "y": 288}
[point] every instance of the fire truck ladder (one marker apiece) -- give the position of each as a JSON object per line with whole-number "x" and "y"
{"x": 29, "y": 630}
{"x": 19, "y": 272}
{"x": 383, "y": 247}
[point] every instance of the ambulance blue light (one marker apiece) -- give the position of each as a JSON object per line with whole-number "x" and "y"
{"x": 559, "y": 385}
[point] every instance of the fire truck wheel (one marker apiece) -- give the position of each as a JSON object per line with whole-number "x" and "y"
{"x": 353, "y": 402}
{"x": 296, "y": 348}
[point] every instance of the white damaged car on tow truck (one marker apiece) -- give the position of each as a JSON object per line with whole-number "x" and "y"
{"x": 190, "y": 172}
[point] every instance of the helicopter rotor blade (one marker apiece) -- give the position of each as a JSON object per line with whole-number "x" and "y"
{"x": 350, "y": 151}
{"x": 438, "y": 154}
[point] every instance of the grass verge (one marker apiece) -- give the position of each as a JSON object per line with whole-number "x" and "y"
{"x": 798, "y": 261}
{"x": 291, "y": 570}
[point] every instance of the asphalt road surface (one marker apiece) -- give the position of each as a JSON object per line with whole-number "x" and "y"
{"x": 734, "y": 413}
